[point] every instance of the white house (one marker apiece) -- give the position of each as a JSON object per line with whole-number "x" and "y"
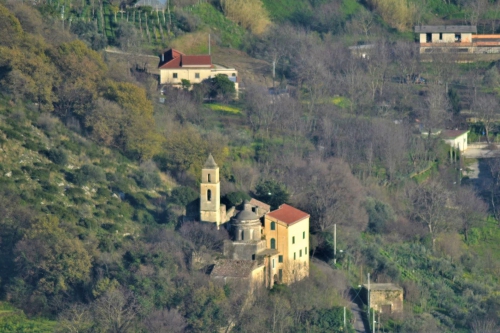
{"x": 455, "y": 138}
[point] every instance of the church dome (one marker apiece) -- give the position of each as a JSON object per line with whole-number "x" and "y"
{"x": 246, "y": 215}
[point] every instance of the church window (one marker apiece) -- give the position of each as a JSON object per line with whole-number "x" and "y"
{"x": 273, "y": 243}
{"x": 280, "y": 258}
{"x": 273, "y": 226}
{"x": 293, "y": 240}
{"x": 273, "y": 263}
{"x": 208, "y": 178}
{"x": 209, "y": 195}
{"x": 306, "y": 251}
{"x": 242, "y": 235}
{"x": 251, "y": 235}
{"x": 300, "y": 253}
{"x": 303, "y": 235}
{"x": 294, "y": 256}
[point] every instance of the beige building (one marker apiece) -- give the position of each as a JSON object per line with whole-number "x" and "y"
{"x": 384, "y": 297}
{"x": 266, "y": 247}
{"x": 441, "y": 34}
{"x": 175, "y": 66}
{"x": 287, "y": 230}
{"x": 456, "y": 138}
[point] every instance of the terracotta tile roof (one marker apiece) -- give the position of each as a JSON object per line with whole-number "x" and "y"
{"x": 288, "y": 214}
{"x": 451, "y": 134}
{"x": 260, "y": 204}
{"x": 196, "y": 60}
{"x": 233, "y": 268}
{"x": 175, "y": 59}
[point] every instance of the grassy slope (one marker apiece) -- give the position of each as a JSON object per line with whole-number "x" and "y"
{"x": 93, "y": 205}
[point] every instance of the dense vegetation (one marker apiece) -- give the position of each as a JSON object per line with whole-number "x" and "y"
{"x": 95, "y": 172}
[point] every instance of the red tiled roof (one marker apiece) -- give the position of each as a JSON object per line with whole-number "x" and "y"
{"x": 451, "y": 134}
{"x": 288, "y": 214}
{"x": 196, "y": 60}
{"x": 175, "y": 59}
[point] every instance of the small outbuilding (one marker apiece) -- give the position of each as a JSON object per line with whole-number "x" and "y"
{"x": 456, "y": 138}
{"x": 384, "y": 297}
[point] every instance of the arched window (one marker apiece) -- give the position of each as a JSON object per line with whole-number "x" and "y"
{"x": 273, "y": 226}
{"x": 209, "y": 180}
{"x": 273, "y": 243}
{"x": 209, "y": 195}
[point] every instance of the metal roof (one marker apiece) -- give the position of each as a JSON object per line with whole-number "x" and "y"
{"x": 445, "y": 28}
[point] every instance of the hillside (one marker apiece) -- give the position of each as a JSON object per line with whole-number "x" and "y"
{"x": 97, "y": 175}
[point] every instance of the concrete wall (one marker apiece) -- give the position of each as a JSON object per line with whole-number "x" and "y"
{"x": 383, "y": 300}
{"x": 458, "y": 142}
{"x": 241, "y": 250}
{"x": 446, "y": 37}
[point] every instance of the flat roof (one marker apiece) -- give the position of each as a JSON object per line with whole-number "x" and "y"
{"x": 382, "y": 286}
{"x": 445, "y": 28}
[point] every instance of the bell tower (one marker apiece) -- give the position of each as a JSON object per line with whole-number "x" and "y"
{"x": 210, "y": 192}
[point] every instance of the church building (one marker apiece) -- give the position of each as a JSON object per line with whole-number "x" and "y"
{"x": 266, "y": 247}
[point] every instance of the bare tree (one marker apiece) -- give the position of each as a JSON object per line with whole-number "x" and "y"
{"x": 331, "y": 194}
{"x": 165, "y": 321}
{"x": 487, "y": 108}
{"x": 116, "y": 311}
{"x": 471, "y": 209}
{"x": 430, "y": 206}
{"x": 76, "y": 318}
{"x": 204, "y": 234}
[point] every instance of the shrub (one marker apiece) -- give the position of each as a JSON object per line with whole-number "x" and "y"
{"x": 183, "y": 195}
{"x": 250, "y": 14}
{"x": 235, "y": 198}
{"x": 40, "y": 174}
{"x": 88, "y": 173}
{"x": 72, "y": 146}
{"x": 148, "y": 179}
{"x": 74, "y": 192}
{"x": 57, "y": 156}
{"x": 136, "y": 199}
{"x": 143, "y": 216}
{"x": 32, "y": 145}
{"x": 46, "y": 122}
{"x": 379, "y": 213}
{"x": 12, "y": 134}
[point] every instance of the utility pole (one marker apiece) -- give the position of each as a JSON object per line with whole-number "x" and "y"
{"x": 274, "y": 74}
{"x": 62, "y": 16}
{"x": 344, "y": 318}
{"x": 334, "y": 237}
{"x": 368, "y": 296}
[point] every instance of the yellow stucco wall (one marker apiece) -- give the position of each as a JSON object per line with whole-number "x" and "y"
{"x": 167, "y": 75}
{"x": 292, "y": 242}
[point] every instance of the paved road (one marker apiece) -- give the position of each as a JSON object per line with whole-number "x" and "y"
{"x": 359, "y": 326}
{"x": 473, "y": 152}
